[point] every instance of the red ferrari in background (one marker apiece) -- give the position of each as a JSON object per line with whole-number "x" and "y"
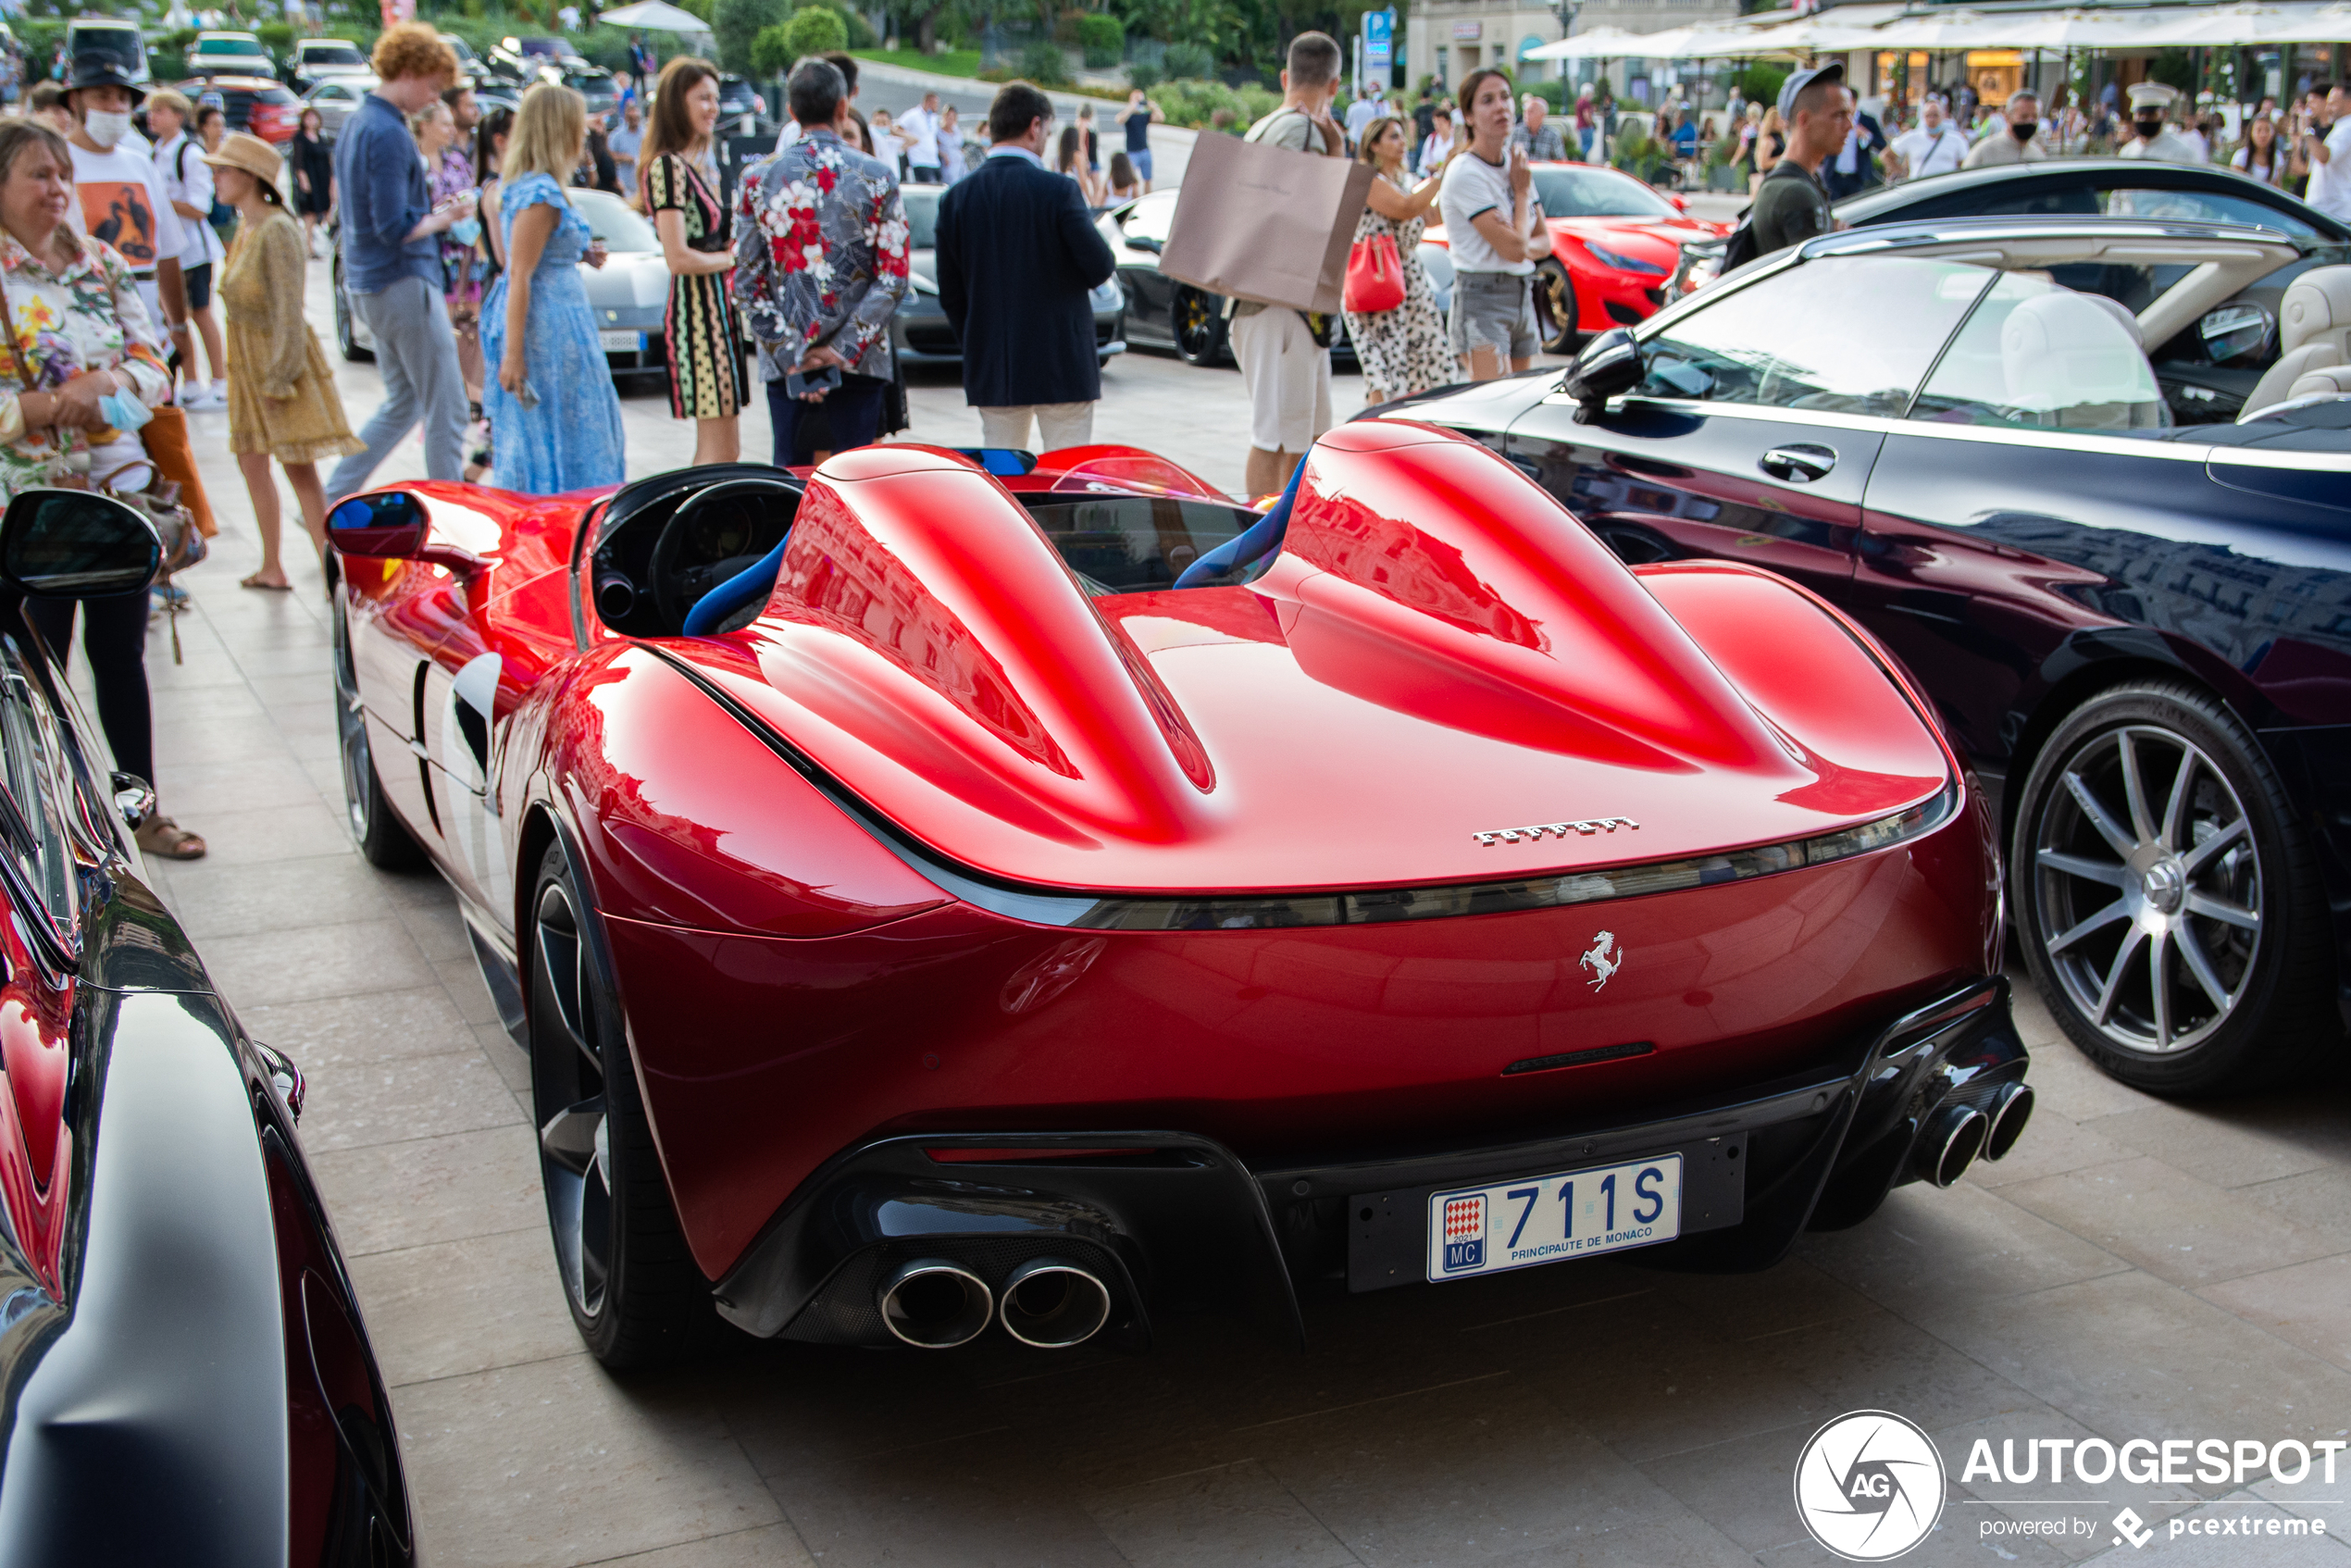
{"x": 1615, "y": 243}
{"x": 953, "y": 891}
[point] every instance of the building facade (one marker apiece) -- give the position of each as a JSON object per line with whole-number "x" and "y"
{"x": 1447, "y": 39}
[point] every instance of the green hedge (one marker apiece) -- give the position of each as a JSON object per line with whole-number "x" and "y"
{"x": 1102, "y": 38}
{"x": 1212, "y": 105}
{"x": 1189, "y": 60}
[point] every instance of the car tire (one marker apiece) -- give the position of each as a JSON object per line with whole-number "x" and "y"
{"x": 1551, "y": 276}
{"x": 636, "y": 1297}
{"x": 2165, "y": 898}
{"x": 346, "y": 342}
{"x": 375, "y": 828}
{"x": 1197, "y": 321}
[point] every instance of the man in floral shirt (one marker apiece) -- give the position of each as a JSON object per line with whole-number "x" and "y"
{"x": 820, "y": 267}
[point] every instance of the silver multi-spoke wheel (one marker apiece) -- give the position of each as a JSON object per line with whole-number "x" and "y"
{"x": 2178, "y": 934}
{"x": 568, "y": 1071}
{"x": 2149, "y": 889}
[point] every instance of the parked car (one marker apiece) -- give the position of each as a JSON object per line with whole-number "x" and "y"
{"x": 2200, "y": 389}
{"x": 1161, "y": 311}
{"x": 1615, "y": 243}
{"x": 595, "y": 86}
{"x": 256, "y": 104}
{"x": 102, "y": 35}
{"x": 919, "y": 332}
{"x": 629, "y": 294}
{"x": 189, "y": 1375}
{"x": 2137, "y": 628}
{"x": 316, "y": 60}
{"x": 947, "y": 890}
{"x": 230, "y": 54}
{"x": 337, "y": 99}
{"x": 737, "y": 100}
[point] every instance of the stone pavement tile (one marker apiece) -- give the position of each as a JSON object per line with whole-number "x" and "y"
{"x": 1954, "y": 1543}
{"x": 2318, "y": 1200}
{"x": 1481, "y": 1471}
{"x": 1926, "y": 1248}
{"x": 1228, "y": 1514}
{"x": 2050, "y": 1146}
{"x": 798, "y": 1409}
{"x": 439, "y": 930}
{"x": 309, "y": 729}
{"x": 1791, "y": 1295}
{"x": 1879, "y": 1362}
{"x": 1649, "y": 1377}
{"x": 461, "y": 977}
{"x": 510, "y": 1061}
{"x": 426, "y": 1189}
{"x": 299, "y": 830}
{"x": 353, "y": 1030}
{"x": 226, "y": 701}
{"x": 2172, "y": 1224}
{"x": 350, "y": 959}
{"x": 228, "y": 898}
{"x": 767, "y": 1545}
{"x": 2069, "y": 1082}
{"x": 450, "y": 1308}
{"x": 2239, "y": 1143}
{"x": 255, "y": 784}
{"x": 558, "y": 1462}
{"x": 197, "y": 739}
{"x": 952, "y": 1502}
{"x": 2294, "y": 1544}
{"x": 2305, "y": 1304}
{"x": 409, "y": 1097}
{"x": 2129, "y": 1356}
{"x": 316, "y": 659}
{"x": 278, "y": 692}
{"x": 2313, "y": 1497}
{"x": 2038, "y": 1495}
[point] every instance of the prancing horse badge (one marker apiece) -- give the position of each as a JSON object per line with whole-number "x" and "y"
{"x": 1605, "y": 959}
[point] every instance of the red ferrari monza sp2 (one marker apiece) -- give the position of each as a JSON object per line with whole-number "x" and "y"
{"x": 956, "y": 891}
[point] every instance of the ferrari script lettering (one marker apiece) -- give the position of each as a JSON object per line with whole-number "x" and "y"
{"x": 1588, "y": 827}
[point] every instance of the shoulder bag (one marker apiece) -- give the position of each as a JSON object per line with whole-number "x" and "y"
{"x": 1374, "y": 276}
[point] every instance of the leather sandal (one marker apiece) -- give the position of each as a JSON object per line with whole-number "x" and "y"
{"x": 162, "y": 837}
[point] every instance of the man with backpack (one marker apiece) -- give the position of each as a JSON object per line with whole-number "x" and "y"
{"x": 1792, "y": 205}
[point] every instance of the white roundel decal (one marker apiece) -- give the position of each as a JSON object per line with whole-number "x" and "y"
{"x": 1869, "y": 1486}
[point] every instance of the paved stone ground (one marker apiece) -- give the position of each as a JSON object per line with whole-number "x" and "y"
{"x": 2134, "y": 1269}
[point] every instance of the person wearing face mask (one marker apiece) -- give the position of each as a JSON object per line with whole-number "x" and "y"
{"x": 2149, "y": 102}
{"x": 2018, "y": 141}
{"x": 123, "y": 200}
{"x": 1937, "y": 147}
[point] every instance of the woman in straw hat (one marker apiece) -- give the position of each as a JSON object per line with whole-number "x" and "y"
{"x": 282, "y": 395}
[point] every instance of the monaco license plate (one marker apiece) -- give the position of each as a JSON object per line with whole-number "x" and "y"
{"x": 622, "y": 343}
{"x": 1474, "y": 1230}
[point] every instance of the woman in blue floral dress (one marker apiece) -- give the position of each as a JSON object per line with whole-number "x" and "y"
{"x": 555, "y": 419}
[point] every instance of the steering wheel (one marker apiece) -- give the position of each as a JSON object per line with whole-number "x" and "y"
{"x": 669, "y": 569}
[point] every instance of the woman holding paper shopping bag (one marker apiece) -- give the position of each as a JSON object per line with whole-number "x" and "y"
{"x": 1402, "y": 349}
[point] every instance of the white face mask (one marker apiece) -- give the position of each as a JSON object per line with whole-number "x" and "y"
{"x": 106, "y": 127}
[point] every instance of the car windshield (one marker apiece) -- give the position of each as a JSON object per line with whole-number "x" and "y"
{"x": 922, "y": 214}
{"x": 334, "y": 54}
{"x": 623, "y": 231}
{"x": 1597, "y": 192}
{"x": 227, "y": 46}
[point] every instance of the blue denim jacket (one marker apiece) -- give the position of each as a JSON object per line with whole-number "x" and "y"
{"x": 379, "y": 180}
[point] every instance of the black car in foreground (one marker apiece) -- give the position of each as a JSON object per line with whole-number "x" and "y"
{"x": 187, "y": 1377}
{"x": 2137, "y": 627}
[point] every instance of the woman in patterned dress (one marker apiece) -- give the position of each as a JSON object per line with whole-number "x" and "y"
{"x": 707, "y": 379}
{"x": 1402, "y": 350}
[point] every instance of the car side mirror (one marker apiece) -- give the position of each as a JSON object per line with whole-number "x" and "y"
{"x": 2238, "y": 331}
{"x": 1609, "y": 366}
{"x": 76, "y": 544}
{"x": 392, "y": 524}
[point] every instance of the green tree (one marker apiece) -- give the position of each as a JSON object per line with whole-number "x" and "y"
{"x": 736, "y": 23}
{"x": 813, "y": 29}
{"x": 771, "y": 53}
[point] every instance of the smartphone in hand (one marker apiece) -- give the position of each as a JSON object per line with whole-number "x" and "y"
{"x": 824, "y": 381}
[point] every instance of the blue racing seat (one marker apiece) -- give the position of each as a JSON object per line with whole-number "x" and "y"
{"x": 1260, "y": 538}
{"x": 749, "y": 586}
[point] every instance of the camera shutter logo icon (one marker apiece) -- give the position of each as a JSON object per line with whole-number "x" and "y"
{"x": 1464, "y": 1233}
{"x": 1870, "y": 1486}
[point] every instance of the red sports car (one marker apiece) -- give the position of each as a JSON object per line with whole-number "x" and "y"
{"x": 954, "y": 890}
{"x": 1615, "y": 243}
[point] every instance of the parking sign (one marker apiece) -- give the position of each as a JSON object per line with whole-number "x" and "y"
{"x": 1379, "y": 39}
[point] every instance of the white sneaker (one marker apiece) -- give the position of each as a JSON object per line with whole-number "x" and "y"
{"x": 194, "y": 399}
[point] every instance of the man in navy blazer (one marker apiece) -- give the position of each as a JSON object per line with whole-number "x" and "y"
{"x": 1017, "y": 257}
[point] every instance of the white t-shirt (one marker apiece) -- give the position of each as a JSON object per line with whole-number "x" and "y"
{"x": 2330, "y": 181}
{"x": 887, "y": 146}
{"x": 1361, "y": 113}
{"x": 204, "y": 246}
{"x": 918, "y": 128}
{"x": 1928, "y": 152}
{"x": 787, "y": 135}
{"x": 1472, "y": 186}
{"x": 123, "y": 203}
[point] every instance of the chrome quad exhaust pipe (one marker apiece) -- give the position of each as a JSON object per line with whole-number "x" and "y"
{"x": 934, "y": 1305}
{"x": 1953, "y": 1138}
{"x": 1053, "y": 1305}
{"x": 2011, "y": 1110}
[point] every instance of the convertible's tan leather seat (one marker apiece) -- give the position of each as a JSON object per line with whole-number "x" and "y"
{"x": 2314, "y": 334}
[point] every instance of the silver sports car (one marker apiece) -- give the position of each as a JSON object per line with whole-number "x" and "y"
{"x": 628, "y": 294}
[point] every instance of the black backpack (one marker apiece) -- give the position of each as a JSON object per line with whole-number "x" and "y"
{"x": 1739, "y": 248}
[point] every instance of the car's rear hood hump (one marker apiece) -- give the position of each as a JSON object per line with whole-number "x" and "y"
{"x": 1441, "y": 657}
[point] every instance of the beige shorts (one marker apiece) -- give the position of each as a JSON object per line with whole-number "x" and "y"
{"x": 1288, "y": 377}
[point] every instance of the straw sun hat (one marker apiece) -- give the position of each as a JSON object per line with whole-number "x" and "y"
{"x": 250, "y": 154}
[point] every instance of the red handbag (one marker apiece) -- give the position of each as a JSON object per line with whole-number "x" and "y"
{"x": 1374, "y": 276}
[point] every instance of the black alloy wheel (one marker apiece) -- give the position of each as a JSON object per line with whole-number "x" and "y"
{"x": 1559, "y": 293}
{"x": 373, "y": 828}
{"x": 635, "y": 1295}
{"x": 1199, "y": 322}
{"x": 2167, "y": 899}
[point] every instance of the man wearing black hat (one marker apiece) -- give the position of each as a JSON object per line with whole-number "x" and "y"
{"x": 122, "y": 197}
{"x": 1792, "y": 205}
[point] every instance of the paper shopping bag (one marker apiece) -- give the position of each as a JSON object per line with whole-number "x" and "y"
{"x": 1261, "y": 222}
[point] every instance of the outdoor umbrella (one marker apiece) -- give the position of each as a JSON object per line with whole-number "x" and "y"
{"x": 657, "y": 16}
